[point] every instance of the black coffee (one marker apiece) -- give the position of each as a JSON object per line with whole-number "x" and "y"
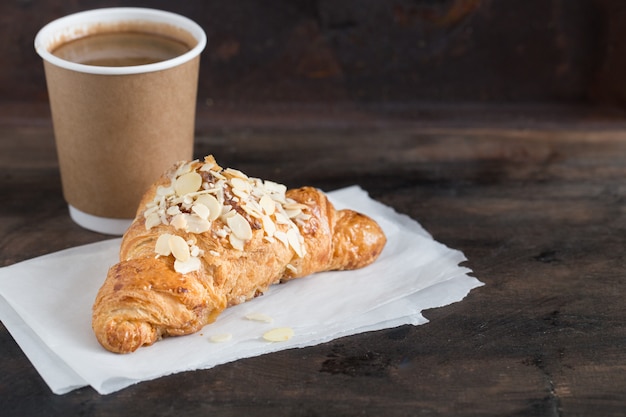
{"x": 121, "y": 49}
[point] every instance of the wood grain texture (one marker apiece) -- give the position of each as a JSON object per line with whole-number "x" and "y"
{"x": 368, "y": 50}
{"x": 537, "y": 208}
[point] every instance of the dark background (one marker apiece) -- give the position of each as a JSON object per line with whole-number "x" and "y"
{"x": 396, "y": 52}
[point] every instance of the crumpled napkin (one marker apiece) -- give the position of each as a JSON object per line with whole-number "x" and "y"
{"x": 45, "y": 303}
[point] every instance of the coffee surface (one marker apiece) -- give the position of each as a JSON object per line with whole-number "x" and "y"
{"x": 121, "y": 49}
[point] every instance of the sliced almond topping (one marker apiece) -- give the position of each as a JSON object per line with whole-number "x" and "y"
{"x": 227, "y": 211}
{"x": 196, "y": 224}
{"x": 179, "y": 221}
{"x": 185, "y": 267}
{"x": 236, "y": 242}
{"x": 150, "y": 208}
{"x": 274, "y": 187}
{"x": 173, "y": 210}
{"x": 240, "y": 184}
{"x": 293, "y": 205}
{"x": 162, "y": 246}
{"x": 242, "y": 194}
{"x": 179, "y": 248}
{"x": 264, "y": 318}
{"x": 152, "y": 220}
{"x": 221, "y": 338}
{"x": 217, "y": 175}
{"x": 195, "y": 251}
{"x": 279, "y": 334}
{"x": 282, "y": 236}
{"x": 294, "y": 241}
{"x": 201, "y": 210}
{"x": 210, "y": 159}
{"x": 239, "y": 226}
{"x": 281, "y": 218}
{"x": 268, "y": 225}
{"x": 187, "y": 183}
{"x": 291, "y": 213}
{"x": 250, "y": 209}
{"x": 269, "y": 206}
{"x": 187, "y": 200}
{"x": 214, "y": 206}
{"x": 192, "y": 202}
{"x": 164, "y": 191}
{"x": 235, "y": 173}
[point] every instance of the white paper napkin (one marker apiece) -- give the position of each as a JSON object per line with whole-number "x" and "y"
{"x": 45, "y": 303}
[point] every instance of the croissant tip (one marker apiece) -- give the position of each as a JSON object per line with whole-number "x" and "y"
{"x": 126, "y": 336}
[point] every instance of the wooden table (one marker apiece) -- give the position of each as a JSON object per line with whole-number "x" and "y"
{"x": 535, "y": 198}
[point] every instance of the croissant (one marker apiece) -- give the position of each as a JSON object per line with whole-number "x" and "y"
{"x": 205, "y": 238}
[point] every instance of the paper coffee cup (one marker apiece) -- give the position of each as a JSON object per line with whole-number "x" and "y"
{"x": 118, "y": 128}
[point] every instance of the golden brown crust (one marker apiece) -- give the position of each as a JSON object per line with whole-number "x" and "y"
{"x": 144, "y": 299}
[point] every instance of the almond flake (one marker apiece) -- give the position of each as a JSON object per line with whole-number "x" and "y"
{"x": 227, "y": 210}
{"x": 281, "y": 218}
{"x": 268, "y": 225}
{"x": 240, "y": 184}
{"x": 279, "y": 334}
{"x": 264, "y": 318}
{"x": 179, "y": 248}
{"x": 282, "y": 236}
{"x": 239, "y": 226}
{"x": 241, "y": 193}
{"x": 269, "y": 206}
{"x": 209, "y": 166}
{"x": 196, "y": 224}
{"x": 164, "y": 191}
{"x": 190, "y": 265}
{"x": 150, "y": 208}
{"x": 214, "y": 206}
{"x": 179, "y": 221}
{"x": 152, "y": 220}
{"x": 221, "y": 338}
{"x": 291, "y": 213}
{"x": 173, "y": 210}
{"x": 293, "y": 205}
{"x": 188, "y": 200}
{"x": 294, "y": 241}
{"x": 196, "y": 251}
{"x": 236, "y": 242}
{"x": 162, "y": 246}
{"x": 187, "y": 183}
{"x": 217, "y": 175}
{"x": 251, "y": 210}
{"x": 235, "y": 173}
{"x": 274, "y": 187}
{"x": 201, "y": 210}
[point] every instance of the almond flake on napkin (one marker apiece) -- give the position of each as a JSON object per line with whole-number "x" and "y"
{"x": 45, "y": 303}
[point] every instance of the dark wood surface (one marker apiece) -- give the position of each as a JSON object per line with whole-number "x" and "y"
{"x": 535, "y": 199}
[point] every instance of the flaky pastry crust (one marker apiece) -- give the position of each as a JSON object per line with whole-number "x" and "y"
{"x": 144, "y": 298}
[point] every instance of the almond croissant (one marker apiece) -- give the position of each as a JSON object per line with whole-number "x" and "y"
{"x": 206, "y": 238}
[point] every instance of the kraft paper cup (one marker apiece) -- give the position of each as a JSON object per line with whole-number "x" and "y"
{"x": 117, "y": 129}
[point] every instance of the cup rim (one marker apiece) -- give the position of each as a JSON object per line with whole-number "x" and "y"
{"x": 81, "y": 20}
